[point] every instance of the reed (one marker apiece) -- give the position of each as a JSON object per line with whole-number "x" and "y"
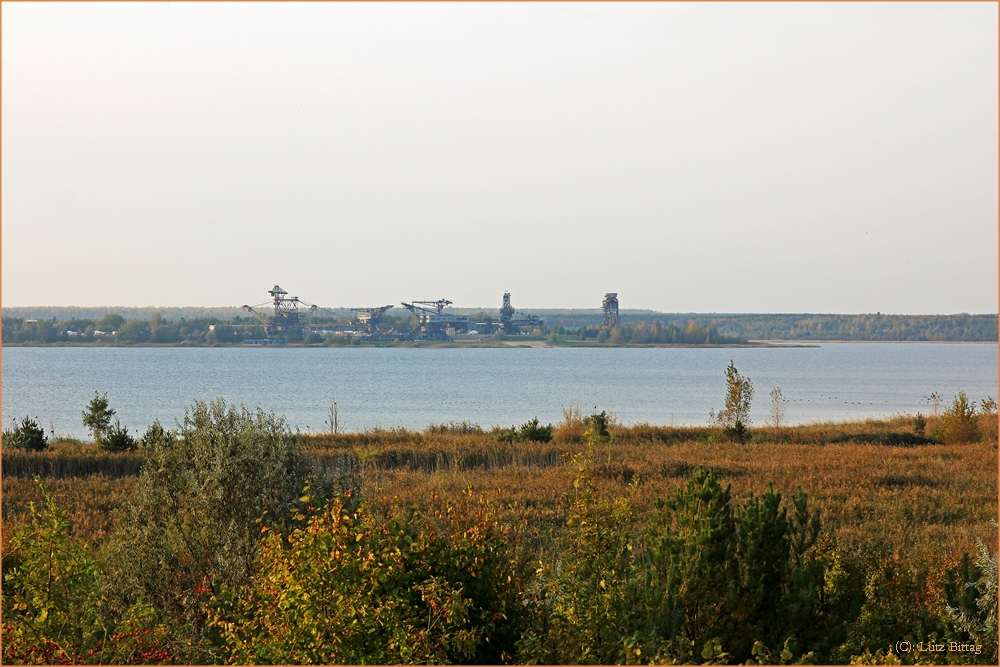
{"x": 67, "y": 460}
{"x": 868, "y": 480}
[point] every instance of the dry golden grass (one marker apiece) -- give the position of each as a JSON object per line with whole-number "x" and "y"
{"x": 70, "y": 459}
{"x": 929, "y": 500}
{"x": 88, "y": 502}
{"x": 933, "y": 500}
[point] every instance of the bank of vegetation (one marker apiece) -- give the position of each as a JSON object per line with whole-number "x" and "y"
{"x": 191, "y": 327}
{"x": 113, "y": 329}
{"x": 231, "y": 539}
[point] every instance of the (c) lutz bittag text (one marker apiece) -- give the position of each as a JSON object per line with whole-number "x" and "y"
{"x": 942, "y": 647}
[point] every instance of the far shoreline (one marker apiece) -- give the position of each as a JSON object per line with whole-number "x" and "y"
{"x": 523, "y": 344}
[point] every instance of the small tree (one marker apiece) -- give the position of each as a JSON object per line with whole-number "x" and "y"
{"x": 29, "y": 435}
{"x": 779, "y": 406}
{"x": 974, "y": 606}
{"x": 333, "y": 423}
{"x": 109, "y": 322}
{"x": 97, "y": 416}
{"x": 116, "y": 439}
{"x": 586, "y": 591}
{"x": 935, "y": 402}
{"x": 133, "y": 331}
{"x": 735, "y": 418}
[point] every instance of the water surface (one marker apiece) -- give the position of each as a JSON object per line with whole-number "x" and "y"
{"x": 414, "y": 387}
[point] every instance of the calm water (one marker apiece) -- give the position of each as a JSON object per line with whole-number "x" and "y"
{"x": 416, "y": 387}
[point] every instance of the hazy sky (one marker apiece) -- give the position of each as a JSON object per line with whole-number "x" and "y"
{"x": 706, "y": 157}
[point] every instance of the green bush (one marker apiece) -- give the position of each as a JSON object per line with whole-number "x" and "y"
{"x": 527, "y": 432}
{"x": 971, "y": 594}
{"x": 28, "y": 436}
{"x": 351, "y": 588}
{"x": 193, "y": 522}
{"x": 116, "y": 439}
{"x": 597, "y": 427}
{"x": 52, "y": 604}
{"x": 958, "y": 424}
{"x": 707, "y": 581}
{"x": 585, "y": 598}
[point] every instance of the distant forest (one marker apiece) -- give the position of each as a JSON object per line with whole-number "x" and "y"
{"x": 201, "y": 325}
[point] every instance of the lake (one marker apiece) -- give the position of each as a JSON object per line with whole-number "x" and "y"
{"x": 414, "y": 387}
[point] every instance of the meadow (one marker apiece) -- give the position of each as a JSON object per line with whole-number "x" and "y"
{"x": 926, "y": 498}
{"x": 884, "y": 492}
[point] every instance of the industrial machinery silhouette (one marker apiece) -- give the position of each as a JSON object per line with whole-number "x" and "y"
{"x": 434, "y": 323}
{"x": 371, "y": 318}
{"x": 511, "y": 321}
{"x": 610, "y": 306}
{"x": 286, "y": 311}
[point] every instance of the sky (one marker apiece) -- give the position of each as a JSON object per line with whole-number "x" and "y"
{"x": 705, "y": 157}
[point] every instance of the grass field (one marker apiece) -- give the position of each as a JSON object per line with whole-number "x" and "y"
{"x": 570, "y": 516}
{"x": 931, "y": 500}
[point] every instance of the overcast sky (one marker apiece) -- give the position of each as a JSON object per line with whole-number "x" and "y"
{"x": 707, "y": 157}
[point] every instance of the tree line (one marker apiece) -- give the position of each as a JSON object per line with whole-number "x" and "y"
{"x": 113, "y": 328}
{"x": 643, "y": 328}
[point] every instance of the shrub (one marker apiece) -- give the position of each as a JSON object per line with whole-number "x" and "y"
{"x": 958, "y": 423}
{"x": 572, "y": 427}
{"x": 350, "y": 588}
{"x": 597, "y": 427}
{"x": 585, "y": 599}
{"x": 194, "y": 519}
{"x": 532, "y": 432}
{"x": 454, "y": 428}
{"x": 707, "y": 580}
{"x": 894, "y": 606}
{"x": 52, "y": 608}
{"x": 988, "y": 418}
{"x": 741, "y": 577}
{"x": 971, "y": 592}
{"x": 116, "y": 439}
{"x": 528, "y": 432}
{"x": 28, "y": 436}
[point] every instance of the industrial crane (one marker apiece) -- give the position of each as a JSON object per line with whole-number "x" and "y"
{"x": 511, "y": 321}
{"x": 434, "y": 322}
{"x": 371, "y": 317}
{"x": 286, "y": 311}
